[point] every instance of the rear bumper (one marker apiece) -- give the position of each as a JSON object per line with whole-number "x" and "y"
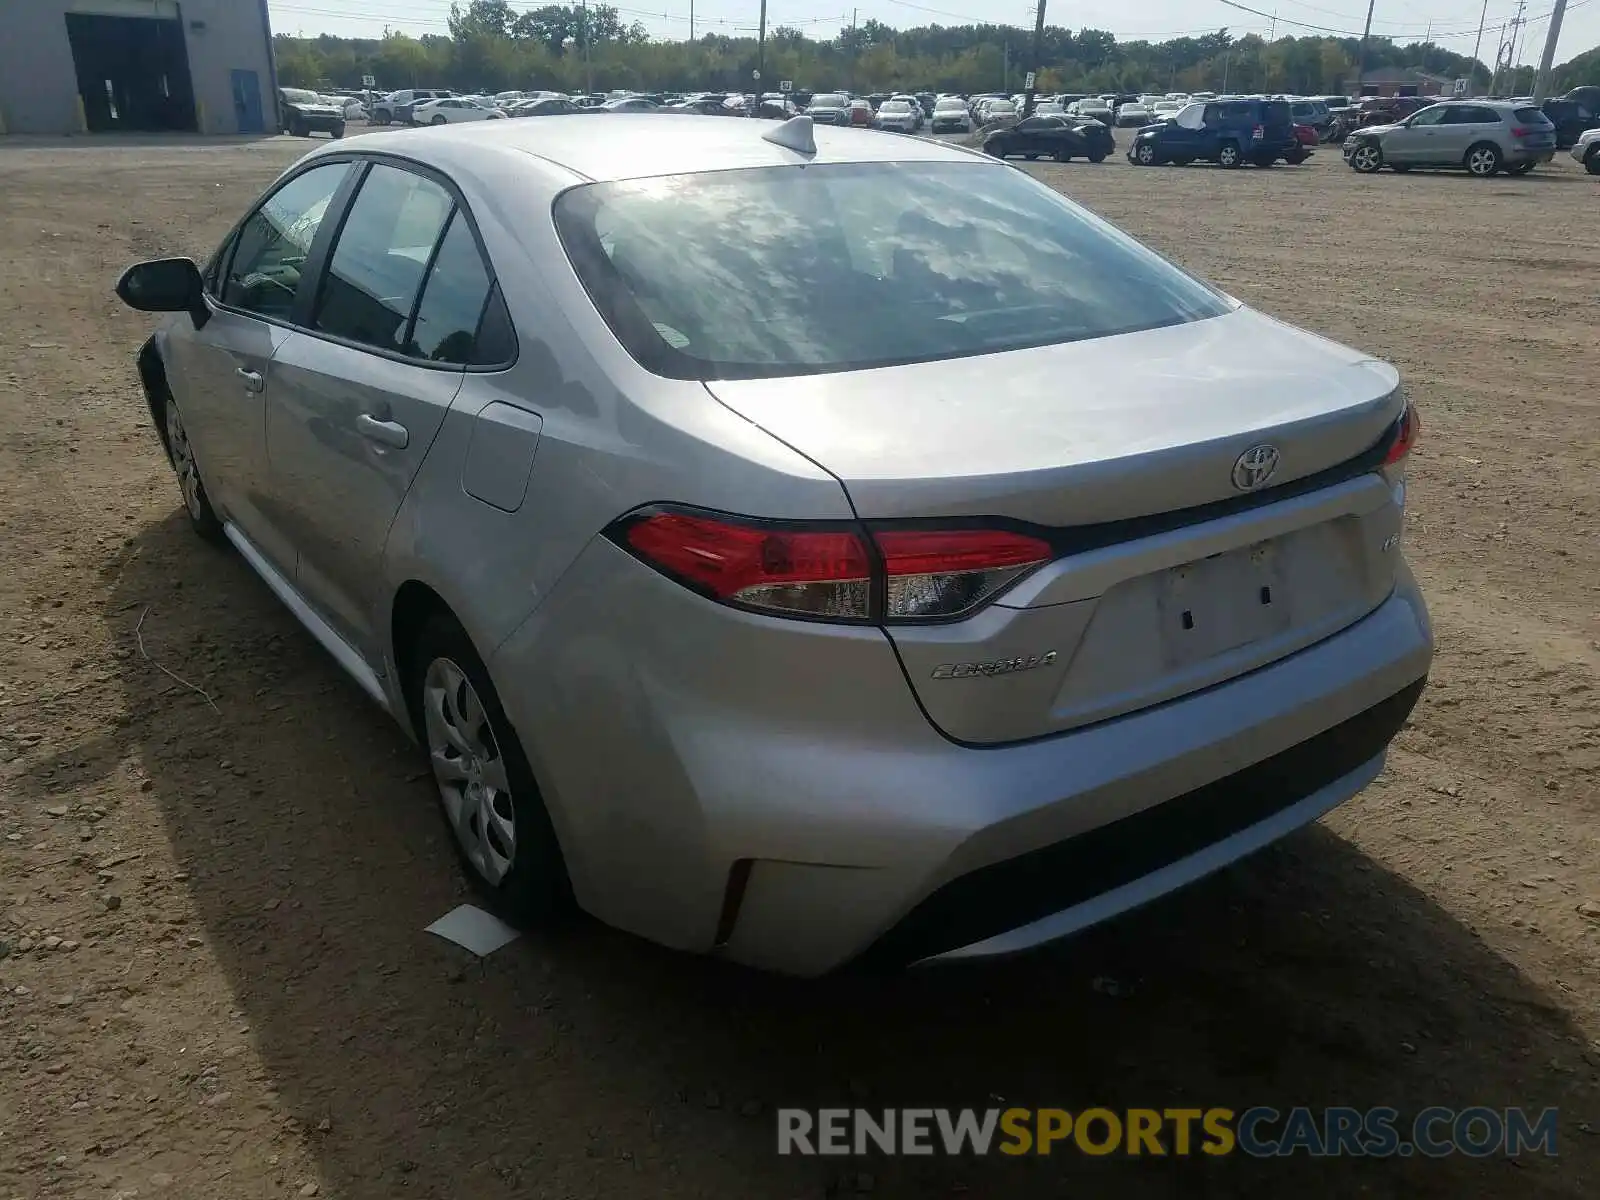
{"x": 316, "y": 122}
{"x": 769, "y": 790}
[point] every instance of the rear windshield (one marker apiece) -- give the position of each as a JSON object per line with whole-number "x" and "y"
{"x": 1532, "y": 116}
{"x": 828, "y": 102}
{"x": 798, "y": 270}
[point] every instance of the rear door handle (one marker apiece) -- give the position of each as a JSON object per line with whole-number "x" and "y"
{"x": 390, "y": 433}
{"x": 250, "y": 379}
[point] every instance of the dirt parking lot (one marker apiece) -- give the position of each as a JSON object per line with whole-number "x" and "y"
{"x": 213, "y": 981}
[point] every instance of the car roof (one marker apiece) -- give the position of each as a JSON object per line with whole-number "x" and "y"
{"x": 641, "y": 145}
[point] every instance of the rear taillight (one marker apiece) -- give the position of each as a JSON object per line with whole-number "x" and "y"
{"x": 1520, "y": 133}
{"x": 813, "y": 573}
{"x": 1258, "y": 133}
{"x": 944, "y": 573}
{"x": 1410, "y": 427}
{"x": 833, "y": 571}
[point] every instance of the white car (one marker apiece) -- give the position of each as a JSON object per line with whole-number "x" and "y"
{"x": 1587, "y": 151}
{"x": 997, "y": 110}
{"x": 950, "y": 113}
{"x": 453, "y": 109}
{"x": 354, "y": 110}
{"x": 1133, "y": 113}
{"x": 902, "y": 116}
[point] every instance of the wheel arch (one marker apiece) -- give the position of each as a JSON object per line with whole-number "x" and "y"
{"x": 157, "y": 392}
{"x": 413, "y": 606}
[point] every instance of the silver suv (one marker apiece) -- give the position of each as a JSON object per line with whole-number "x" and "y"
{"x": 1482, "y": 136}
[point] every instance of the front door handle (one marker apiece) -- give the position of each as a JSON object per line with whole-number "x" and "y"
{"x": 250, "y": 379}
{"x": 390, "y": 433}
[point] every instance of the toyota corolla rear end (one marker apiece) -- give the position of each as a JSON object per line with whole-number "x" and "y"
{"x": 1112, "y": 594}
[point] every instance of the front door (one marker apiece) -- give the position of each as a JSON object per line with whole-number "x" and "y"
{"x": 247, "y": 102}
{"x": 223, "y": 372}
{"x": 1420, "y": 140}
{"x": 358, "y": 398}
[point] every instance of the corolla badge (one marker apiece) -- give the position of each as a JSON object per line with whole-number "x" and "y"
{"x": 1255, "y": 466}
{"x": 999, "y": 666}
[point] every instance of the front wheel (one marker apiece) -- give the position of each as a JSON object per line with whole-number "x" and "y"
{"x": 486, "y": 788}
{"x": 338, "y": 132}
{"x": 1483, "y": 160}
{"x": 1229, "y": 156}
{"x": 1366, "y": 158}
{"x": 1591, "y": 163}
{"x": 1295, "y": 157}
{"x": 1145, "y": 154}
{"x": 202, "y": 517}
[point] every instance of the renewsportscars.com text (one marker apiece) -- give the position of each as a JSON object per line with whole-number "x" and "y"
{"x": 1260, "y": 1132}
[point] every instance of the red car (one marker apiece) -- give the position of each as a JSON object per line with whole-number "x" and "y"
{"x": 1305, "y": 144}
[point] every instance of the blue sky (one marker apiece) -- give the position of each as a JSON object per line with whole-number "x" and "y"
{"x": 1454, "y": 23}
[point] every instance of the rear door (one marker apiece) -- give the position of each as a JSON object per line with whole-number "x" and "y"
{"x": 361, "y": 392}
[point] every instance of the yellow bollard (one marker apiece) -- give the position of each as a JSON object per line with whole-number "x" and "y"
{"x": 200, "y": 114}
{"x": 83, "y": 120}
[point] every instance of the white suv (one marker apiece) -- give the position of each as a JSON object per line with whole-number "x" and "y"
{"x": 1587, "y": 151}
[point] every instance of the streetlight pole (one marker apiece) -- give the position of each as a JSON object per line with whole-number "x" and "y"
{"x": 761, "y": 57}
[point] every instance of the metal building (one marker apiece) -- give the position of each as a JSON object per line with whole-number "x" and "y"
{"x": 98, "y": 66}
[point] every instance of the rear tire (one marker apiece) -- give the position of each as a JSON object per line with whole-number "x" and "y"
{"x": 337, "y": 131}
{"x": 1591, "y": 162}
{"x": 1097, "y": 156}
{"x": 1295, "y": 157}
{"x": 488, "y": 797}
{"x": 1482, "y": 160}
{"x": 1521, "y": 168}
{"x": 1062, "y": 156}
{"x": 438, "y": 120}
{"x": 1229, "y": 156}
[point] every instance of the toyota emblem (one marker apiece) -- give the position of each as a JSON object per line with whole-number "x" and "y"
{"x": 1255, "y": 466}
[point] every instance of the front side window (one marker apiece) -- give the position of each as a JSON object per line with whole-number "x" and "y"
{"x": 789, "y": 271}
{"x": 1436, "y": 116}
{"x": 377, "y": 265}
{"x": 274, "y": 242}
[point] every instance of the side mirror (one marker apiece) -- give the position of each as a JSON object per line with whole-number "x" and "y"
{"x": 165, "y": 285}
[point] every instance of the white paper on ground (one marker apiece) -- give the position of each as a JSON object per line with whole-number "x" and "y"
{"x": 481, "y": 932}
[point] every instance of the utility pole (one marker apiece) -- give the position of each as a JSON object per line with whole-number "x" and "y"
{"x": 854, "y": 51}
{"x": 1541, "y": 81}
{"x": 588, "y": 74}
{"x": 1478, "y": 45}
{"x": 1272, "y": 30}
{"x": 761, "y": 60}
{"x": 1032, "y": 80}
{"x": 1361, "y": 68}
{"x": 691, "y": 18}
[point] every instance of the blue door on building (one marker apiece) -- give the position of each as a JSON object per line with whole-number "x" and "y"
{"x": 247, "y": 102}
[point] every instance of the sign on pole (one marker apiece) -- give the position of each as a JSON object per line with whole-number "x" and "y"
{"x": 369, "y": 81}
{"x": 786, "y": 85}
{"x": 1027, "y": 80}
{"x": 1461, "y": 87}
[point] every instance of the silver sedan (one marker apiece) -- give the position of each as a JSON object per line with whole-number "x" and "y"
{"x": 796, "y": 545}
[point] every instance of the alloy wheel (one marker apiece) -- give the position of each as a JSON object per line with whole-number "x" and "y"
{"x": 1228, "y": 156}
{"x": 1146, "y": 154}
{"x": 183, "y": 463}
{"x": 469, "y": 770}
{"x": 1483, "y": 161}
{"x": 1365, "y": 158}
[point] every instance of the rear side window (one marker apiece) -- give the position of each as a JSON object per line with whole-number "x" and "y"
{"x": 446, "y": 328}
{"x": 1532, "y": 116}
{"x": 378, "y": 263}
{"x": 1274, "y": 112}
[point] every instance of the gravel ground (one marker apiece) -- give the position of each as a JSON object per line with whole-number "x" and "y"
{"x": 213, "y": 980}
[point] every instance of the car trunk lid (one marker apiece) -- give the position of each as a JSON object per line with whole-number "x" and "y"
{"x": 1174, "y": 566}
